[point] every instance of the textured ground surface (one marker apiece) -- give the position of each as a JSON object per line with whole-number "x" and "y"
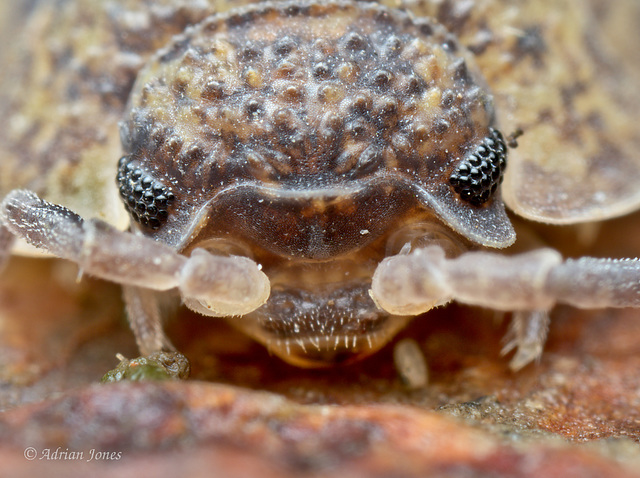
{"x": 244, "y": 413}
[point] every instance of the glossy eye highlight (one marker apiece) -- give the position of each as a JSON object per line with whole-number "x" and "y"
{"x": 146, "y": 200}
{"x": 478, "y": 175}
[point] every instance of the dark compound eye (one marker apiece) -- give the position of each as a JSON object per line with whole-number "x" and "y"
{"x": 146, "y": 199}
{"x": 478, "y": 175}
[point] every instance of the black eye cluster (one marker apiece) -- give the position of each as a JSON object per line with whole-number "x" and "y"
{"x": 147, "y": 200}
{"x": 478, "y": 175}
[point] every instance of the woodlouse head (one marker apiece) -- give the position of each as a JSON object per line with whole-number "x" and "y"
{"x": 317, "y": 105}
{"x": 311, "y": 132}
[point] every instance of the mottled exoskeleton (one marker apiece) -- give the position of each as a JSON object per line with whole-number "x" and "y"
{"x": 320, "y": 172}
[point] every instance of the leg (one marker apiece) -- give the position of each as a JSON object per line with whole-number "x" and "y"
{"x": 160, "y": 359}
{"x": 145, "y": 320}
{"x": 527, "y": 334}
{"x": 411, "y": 364}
